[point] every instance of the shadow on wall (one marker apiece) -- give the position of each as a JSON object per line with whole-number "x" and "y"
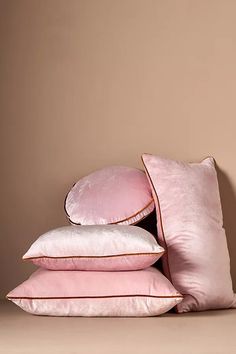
{"x": 228, "y": 200}
{"x": 149, "y": 223}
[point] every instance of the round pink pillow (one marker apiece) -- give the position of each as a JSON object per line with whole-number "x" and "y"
{"x": 112, "y": 195}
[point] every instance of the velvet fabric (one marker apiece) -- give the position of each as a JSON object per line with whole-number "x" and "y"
{"x": 190, "y": 227}
{"x": 112, "y": 195}
{"x": 95, "y": 247}
{"x": 79, "y": 293}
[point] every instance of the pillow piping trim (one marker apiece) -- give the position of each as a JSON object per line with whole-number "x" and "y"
{"x": 118, "y": 221}
{"x": 92, "y": 297}
{"x": 159, "y": 217}
{"x": 105, "y": 256}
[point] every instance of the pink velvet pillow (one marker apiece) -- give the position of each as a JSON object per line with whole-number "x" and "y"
{"x": 112, "y": 195}
{"x": 190, "y": 227}
{"x": 95, "y": 247}
{"x": 78, "y": 293}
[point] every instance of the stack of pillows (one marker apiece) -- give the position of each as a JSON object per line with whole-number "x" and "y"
{"x": 101, "y": 265}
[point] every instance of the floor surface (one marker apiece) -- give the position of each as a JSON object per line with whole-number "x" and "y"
{"x": 210, "y": 332}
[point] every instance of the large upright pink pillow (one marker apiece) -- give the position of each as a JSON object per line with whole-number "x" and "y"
{"x": 112, "y": 195}
{"x": 190, "y": 227}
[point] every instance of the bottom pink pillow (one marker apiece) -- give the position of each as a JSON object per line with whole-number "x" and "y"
{"x": 83, "y": 293}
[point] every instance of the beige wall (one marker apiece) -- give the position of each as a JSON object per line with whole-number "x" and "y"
{"x": 90, "y": 83}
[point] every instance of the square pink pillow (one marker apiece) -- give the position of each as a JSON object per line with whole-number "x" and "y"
{"x": 190, "y": 228}
{"x": 79, "y": 293}
{"x": 95, "y": 247}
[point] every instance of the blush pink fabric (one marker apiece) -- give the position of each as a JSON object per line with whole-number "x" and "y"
{"x": 112, "y": 195}
{"x": 95, "y": 247}
{"x": 78, "y": 293}
{"x": 190, "y": 227}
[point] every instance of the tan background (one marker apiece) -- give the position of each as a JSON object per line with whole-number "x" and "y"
{"x": 85, "y": 84}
